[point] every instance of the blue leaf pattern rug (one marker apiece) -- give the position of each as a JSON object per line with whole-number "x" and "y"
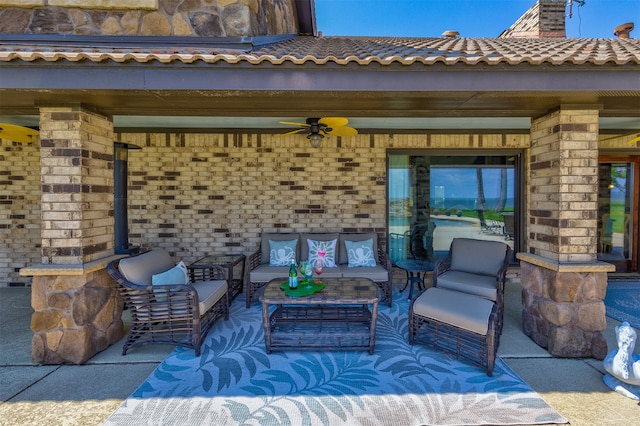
{"x": 234, "y": 382}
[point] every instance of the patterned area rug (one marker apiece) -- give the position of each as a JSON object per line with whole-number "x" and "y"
{"x": 235, "y": 382}
{"x": 623, "y": 302}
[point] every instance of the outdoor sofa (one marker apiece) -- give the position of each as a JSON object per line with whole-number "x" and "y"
{"x": 168, "y": 303}
{"x": 356, "y": 255}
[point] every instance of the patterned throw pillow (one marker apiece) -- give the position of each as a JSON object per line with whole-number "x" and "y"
{"x": 323, "y": 249}
{"x": 282, "y": 252}
{"x": 360, "y": 253}
{"x": 174, "y": 276}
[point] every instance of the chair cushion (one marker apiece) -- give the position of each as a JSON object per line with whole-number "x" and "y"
{"x": 477, "y": 256}
{"x": 461, "y": 310}
{"x": 209, "y": 292}
{"x": 343, "y": 255}
{"x": 374, "y": 273}
{"x": 139, "y": 269}
{"x": 264, "y": 244}
{"x": 479, "y": 285}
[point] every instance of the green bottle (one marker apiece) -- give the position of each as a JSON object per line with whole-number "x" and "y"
{"x": 293, "y": 275}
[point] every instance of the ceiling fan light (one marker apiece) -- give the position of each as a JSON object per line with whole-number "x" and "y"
{"x": 315, "y": 139}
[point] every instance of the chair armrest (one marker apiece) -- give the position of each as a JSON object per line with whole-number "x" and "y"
{"x": 442, "y": 265}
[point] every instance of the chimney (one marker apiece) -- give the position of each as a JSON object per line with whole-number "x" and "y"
{"x": 450, "y": 34}
{"x": 546, "y": 18}
{"x": 622, "y": 31}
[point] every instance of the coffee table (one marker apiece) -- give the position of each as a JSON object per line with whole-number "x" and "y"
{"x": 337, "y": 317}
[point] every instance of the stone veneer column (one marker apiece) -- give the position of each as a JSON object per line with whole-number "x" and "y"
{"x": 563, "y": 284}
{"x": 77, "y": 308}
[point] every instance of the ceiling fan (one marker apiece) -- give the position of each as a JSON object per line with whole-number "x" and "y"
{"x": 317, "y": 128}
{"x": 16, "y": 133}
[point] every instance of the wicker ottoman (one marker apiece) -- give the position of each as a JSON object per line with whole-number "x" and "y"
{"x": 458, "y": 323}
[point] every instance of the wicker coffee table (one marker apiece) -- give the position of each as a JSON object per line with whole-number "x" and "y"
{"x": 338, "y": 317}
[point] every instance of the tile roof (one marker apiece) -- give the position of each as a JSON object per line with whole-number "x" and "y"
{"x": 351, "y": 50}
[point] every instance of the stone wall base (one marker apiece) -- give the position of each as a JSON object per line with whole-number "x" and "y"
{"x": 564, "y": 312}
{"x": 76, "y": 316}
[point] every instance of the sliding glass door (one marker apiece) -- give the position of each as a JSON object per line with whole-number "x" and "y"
{"x": 618, "y": 213}
{"x": 433, "y": 198}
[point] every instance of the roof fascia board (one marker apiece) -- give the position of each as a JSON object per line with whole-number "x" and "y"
{"x": 78, "y": 77}
{"x": 138, "y": 42}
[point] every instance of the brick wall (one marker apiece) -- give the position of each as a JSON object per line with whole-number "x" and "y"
{"x": 546, "y": 18}
{"x": 19, "y": 210}
{"x": 196, "y": 193}
{"x": 563, "y": 187}
{"x": 77, "y": 185}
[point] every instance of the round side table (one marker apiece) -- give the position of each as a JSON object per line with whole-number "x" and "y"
{"x": 416, "y": 271}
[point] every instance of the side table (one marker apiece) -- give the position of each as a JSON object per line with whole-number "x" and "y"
{"x": 416, "y": 270}
{"x": 234, "y": 263}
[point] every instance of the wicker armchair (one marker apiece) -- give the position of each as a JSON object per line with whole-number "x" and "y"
{"x": 169, "y": 314}
{"x": 463, "y": 312}
{"x": 477, "y": 267}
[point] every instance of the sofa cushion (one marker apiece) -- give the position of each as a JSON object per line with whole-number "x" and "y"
{"x": 360, "y": 253}
{"x": 334, "y": 272}
{"x": 281, "y": 253}
{"x": 343, "y": 255}
{"x": 479, "y": 285}
{"x": 209, "y": 292}
{"x": 139, "y": 269}
{"x": 265, "y": 273}
{"x": 304, "y": 245}
{"x": 477, "y": 256}
{"x": 374, "y": 273}
{"x": 461, "y": 310}
{"x": 264, "y": 244}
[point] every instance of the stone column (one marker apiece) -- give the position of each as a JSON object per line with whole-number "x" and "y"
{"x": 77, "y": 308}
{"x": 563, "y": 283}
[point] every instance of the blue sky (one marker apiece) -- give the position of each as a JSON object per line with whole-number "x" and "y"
{"x": 471, "y": 18}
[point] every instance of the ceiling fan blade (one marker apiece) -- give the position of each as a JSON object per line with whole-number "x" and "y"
{"x": 293, "y": 132}
{"x": 621, "y": 136}
{"x": 333, "y": 121}
{"x": 635, "y": 140}
{"x": 343, "y": 131}
{"x": 16, "y": 133}
{"x": 292, "y": 123}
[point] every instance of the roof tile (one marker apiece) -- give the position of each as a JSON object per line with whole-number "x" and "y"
{"x": 355, "y": 50}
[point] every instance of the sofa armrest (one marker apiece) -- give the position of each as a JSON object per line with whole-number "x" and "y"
{"x": 253, "y": 260}
{"x": 384, "y": 260}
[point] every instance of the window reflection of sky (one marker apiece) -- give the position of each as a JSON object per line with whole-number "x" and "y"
{"x": 457, "y": 182}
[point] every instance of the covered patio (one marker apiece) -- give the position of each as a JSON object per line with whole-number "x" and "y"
{"x": 93, "y": 392}
{"x": 213, "y": 173}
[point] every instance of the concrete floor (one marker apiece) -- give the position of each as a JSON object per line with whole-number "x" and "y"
{"x": 87, "y": 394}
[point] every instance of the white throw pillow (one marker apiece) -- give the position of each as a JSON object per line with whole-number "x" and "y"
{"x": 175, "y": 276}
